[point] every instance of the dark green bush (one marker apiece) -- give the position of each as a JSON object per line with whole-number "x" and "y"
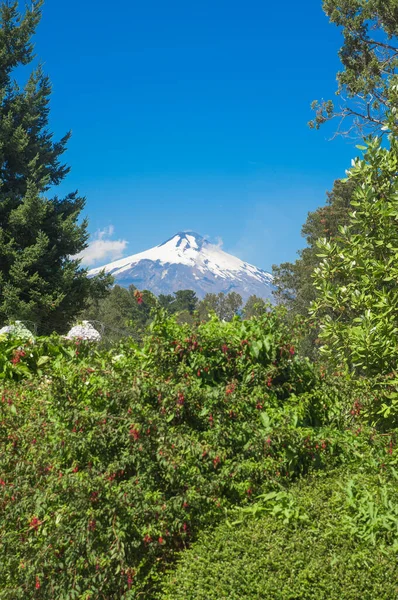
{"x": 338, "y": 541}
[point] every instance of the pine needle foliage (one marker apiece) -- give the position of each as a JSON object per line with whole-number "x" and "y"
{"x": 40, "y": 281}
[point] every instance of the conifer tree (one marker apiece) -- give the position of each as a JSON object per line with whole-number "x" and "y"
{"x": 40, "y": 281}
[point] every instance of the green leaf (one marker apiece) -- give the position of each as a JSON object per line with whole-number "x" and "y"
{"x": 43, "y": 360}
{"x": 265, "y": 420}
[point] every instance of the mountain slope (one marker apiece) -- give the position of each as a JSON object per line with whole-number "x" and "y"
{"x": 188, "y": 261}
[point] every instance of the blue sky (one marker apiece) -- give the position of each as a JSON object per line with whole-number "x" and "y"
{"x": 193, "y": 115}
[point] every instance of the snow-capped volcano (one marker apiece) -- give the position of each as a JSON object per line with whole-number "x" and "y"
{"x": 189, "y": 261}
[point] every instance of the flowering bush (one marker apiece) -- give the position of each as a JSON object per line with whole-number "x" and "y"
{"x": 17, "y": 331}
{"x": 27, "y": 359}
{"x": 84, "y": 331}
{"x": 110, "y": 467}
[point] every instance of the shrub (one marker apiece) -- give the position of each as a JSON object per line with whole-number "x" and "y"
{"x": 17, "y": 331}
{"x": 356, "y": 279}
{"x": 84, "y": 331}
{"x": 114, "y": 461}
{"x": 28, "y": 359}
{"x": 336, "y": 539}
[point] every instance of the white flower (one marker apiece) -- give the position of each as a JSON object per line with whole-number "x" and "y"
{"x": 84, "y": 331}
{"x": 17, "y": 330}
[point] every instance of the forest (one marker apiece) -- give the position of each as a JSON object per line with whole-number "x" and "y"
{"x": 191, "y": 448}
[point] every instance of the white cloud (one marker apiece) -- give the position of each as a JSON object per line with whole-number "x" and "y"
{"x": 101, "y": 249}
{"x": 218, "y": 241}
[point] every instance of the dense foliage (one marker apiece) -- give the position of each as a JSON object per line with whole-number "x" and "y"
{"x": 225, "y": 306}
{"x": 200, "y": 429}
{"x": 113, "y": 461}
{"x": 183, "y": 300}
{"x": 128, "y": 312}
{"x": 356, "y": 279}
{"x": 119, "y": 314}
{"x": 294, "y": 282}
{"x": 332, "y": 537}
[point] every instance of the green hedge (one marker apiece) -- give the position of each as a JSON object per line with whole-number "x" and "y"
{"x": 345, "y": 550}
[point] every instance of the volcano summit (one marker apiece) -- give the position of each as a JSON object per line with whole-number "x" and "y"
{"x": 189, "y": 261}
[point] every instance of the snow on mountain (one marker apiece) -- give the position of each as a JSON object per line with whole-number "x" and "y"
{"x": 188, "y": 261}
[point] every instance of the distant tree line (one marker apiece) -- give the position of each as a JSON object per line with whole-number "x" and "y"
{"x": 128, "y": 311}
